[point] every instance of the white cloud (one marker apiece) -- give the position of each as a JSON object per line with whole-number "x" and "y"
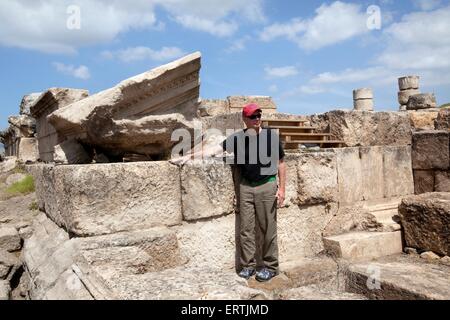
{"x": 42, "y": 25}
{"x": 81, "y": 72}
{"x": 281, "y": 72}
{"x": 426, "y": 5}
{"x": 273, "y": 88}
{"x": 144, "y": 53}
{"x": 217, "y": 17}
{"x": 238, "y": 44}
{"x": 351, "y": 76}
{"x": 332, "y": 24}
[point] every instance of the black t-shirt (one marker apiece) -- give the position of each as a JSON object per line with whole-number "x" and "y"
{"x": 256, "y": 155}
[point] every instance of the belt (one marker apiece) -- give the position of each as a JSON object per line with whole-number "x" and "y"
{"x": 259, "y": 183}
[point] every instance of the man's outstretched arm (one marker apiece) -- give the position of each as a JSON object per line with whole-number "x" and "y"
{"x": 203, "y": 153}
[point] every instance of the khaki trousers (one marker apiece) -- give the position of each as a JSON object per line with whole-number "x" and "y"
{"x": 259, "y": 204}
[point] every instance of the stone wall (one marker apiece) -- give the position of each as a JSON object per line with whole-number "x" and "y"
{"x": 431, "y": 161}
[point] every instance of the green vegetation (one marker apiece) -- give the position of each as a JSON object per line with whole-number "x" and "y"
{"x": 33, "y": 206}
{"x": 23, "y": 187}
{"x": 447, "y": 105}
{"x": 20, "y": 168}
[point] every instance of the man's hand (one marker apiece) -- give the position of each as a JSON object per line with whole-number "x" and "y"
{"x": 280, "y": 197}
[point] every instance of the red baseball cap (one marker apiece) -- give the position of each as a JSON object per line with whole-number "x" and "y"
{"x": 250, "y": 109}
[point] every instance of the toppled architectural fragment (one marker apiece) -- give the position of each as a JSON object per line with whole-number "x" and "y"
{"x": 139, "y": 114}
{"x": 51, "y": 100}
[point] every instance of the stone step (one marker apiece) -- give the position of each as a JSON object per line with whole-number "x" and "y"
{"x": 313, "y": 292}
{"x": 359, "y": 246}
{"x": 399, "y": 277}
{"x": 388, "y": 219}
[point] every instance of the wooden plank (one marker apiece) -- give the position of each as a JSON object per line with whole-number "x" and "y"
{"x": 319, "y": 134}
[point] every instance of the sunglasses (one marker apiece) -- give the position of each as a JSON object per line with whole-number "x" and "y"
{"x": 255, "y": 116}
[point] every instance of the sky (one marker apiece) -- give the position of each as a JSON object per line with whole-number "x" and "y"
{"x": 307, "y": 55}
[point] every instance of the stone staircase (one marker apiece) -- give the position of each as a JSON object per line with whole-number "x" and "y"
{"x": 367, "y": 245}
{"x": 294, "y": 133}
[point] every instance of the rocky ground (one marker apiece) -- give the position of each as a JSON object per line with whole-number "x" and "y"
{"x": 16, "y": 215}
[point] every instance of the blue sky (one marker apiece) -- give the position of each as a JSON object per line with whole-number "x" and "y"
{"x": 307, "y": 55}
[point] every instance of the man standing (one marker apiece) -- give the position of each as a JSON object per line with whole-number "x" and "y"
{"x": 259, "y": 155}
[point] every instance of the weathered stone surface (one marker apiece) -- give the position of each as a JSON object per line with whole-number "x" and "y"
{"x": 317, "y": 178}
{"x": 28, "y": 150}
{"x": 277, "y": 283}
{"x": 207, "y": 189}
{"x": 227, "y": 124}
{"x": 442, "y": 181}
{"x": 70, "y": 152}
{"x": 430, "y": 150}
{"x": 423, "y": 181}
{"x": 409, "y": 82}
{"x": 443, "y": 120}
{"x": 362, "y": 93}
{"x": 358, "y": 246}
{"x": 8, "y": 261}
{"x": 363, "y": 105}
{"x": 445, "y": 260}
{"x": 209, "y": 243}
{"x": 14, "y": 178}
{"x": 51, "y": 100}
{"x": 26, "y": 125}
{"x": 200, "y": 283}
{"x": 213, "y": 107}
{"x": 106, "y": 198}
{"x": 291, "y": 194}
{"x": 362, "y": 128}
{"x": 429, "y": 255}
{"x": 308, "y": 271}
{"x": 350, "y": 175}
{"x": 397, "y": 172}
{"x": 131, "y": 118}
{"x": 27, "y": 101}
{"x": 313, "y": 292}
{"x": 423, "y": 120}
{"x": 5, "y": 290}
{"x": 236, "y": 103}
{"x": 8, "y": 164}
{"x": 421, "y": 101}
{"x": 409, "y": 250}
{"x": 352, "y": 217}
{"x": 300, "y": 230}
{"x": 9, "y": 239}
{"x": 425, "y": 219}
{"x": 403, "y": 96}
{"x": 372, "y": 165}
{"x": 402, "y": 277}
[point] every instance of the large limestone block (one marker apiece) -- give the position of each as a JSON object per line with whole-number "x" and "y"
{"x": 409, "y": 82}
{"x": 397, "y": 172}
{"x": 372, "y": 172}
{"x": 424, "y": 181}
{"x": 421, "y": 101}
{"x": 363, "y": 93}
{"x": 291, "y": 195}
{"x": 27, "y": 101}
{"x": 207, "y": 189}
{"x": 9, "y": 239}
{"x": 423, "y": 120}
{"x": 317, "y": 178}
{"x": 70, "y": 152}
{"x": 8, "y": 264}
{"x": 425, "y": 219}
{"x": 25, "y": 125}
{"x": 443, "y": 120}
{"x": 350, "y": 175}
{"x": 300, "y": 230}
{"x": 106, "y": 198}
{"x": 403, "y": 96}
{"x": 430, "y": 150}
{"x": 267, "y": 105}
{"x": 363, "y": 105}
{"x": 358, "y": 246}
{"x": 8, "y": 164}
{"x": 213, "y": 107}
{"x": 28, "y": 150}
{"x": 209, "y": 243}
{"x": 362, "y": 128}
{"x": 5, "y": 290}
{"x": 442, "y": 181}
{"x": 124, "y": 118}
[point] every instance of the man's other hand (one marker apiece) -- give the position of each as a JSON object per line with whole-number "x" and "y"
{"x": 280, "y": 197}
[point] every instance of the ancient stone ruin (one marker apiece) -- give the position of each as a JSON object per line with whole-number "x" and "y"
{"x": 114, "y": 219}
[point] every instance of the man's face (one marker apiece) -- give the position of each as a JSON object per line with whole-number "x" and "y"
{"x": 254, "y": 121}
